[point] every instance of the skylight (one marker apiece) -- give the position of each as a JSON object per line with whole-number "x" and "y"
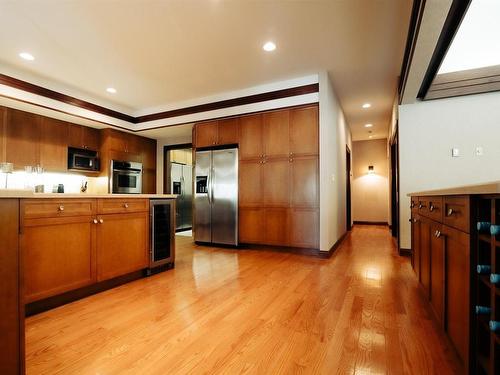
{"x": 477, "y": 42}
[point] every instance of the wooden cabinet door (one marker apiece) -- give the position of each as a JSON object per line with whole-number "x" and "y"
{"x": 3, "y": 116}
{"x": 250, "y": 187}
{"x": 304, "y": 131}
{"x": 251, "y": 225}
{"x": 11, "y": 296}
{"x": 227, "y": 132}
{"x": 59, "y": 255}
{"x": 415, "y": 244}
{"x": 206, "y": 134}
{"x": 457, "y": 247}
{"x": 276, "y": 133}
{"x": 122, "y": 244}
{"x": 53, "y": 145}
{"x": 304, "y": 227}
{"x": 250, "y": 138}
{"x": 276, "y": 182}
{"x": 425, "y": 255}
{"x": 276, "y": 226}
{"x": 22, "y": 138}
{"x": 149, "y": 181}
{"x": 148, "y": 150}
{"x": 437, "y": 271}
{"x": 91, "y": 138}
{"x": 304, "y": 181}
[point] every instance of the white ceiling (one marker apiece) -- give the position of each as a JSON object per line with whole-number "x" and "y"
{"x": 161, "y": 52}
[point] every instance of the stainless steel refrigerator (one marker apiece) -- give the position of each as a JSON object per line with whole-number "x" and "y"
{"x": 181, "y": 179}
{"x": 216, "y": 197}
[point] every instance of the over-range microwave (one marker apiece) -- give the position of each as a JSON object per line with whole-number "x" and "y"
{"x": 83, "y": 160}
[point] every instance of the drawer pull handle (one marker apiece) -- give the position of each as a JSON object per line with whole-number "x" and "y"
{"x": 61, "y": 208}
{"x": 438, "y": 234}
{"x": 421, "y": 206}
{"x": 95, "y": 221}
{"x": 101, "y": 221}
{"x": 431, "y": 208}
{"x": 450, "y": 212}
{"x": 412, "y": 205}
{"x": 125, "y": 205}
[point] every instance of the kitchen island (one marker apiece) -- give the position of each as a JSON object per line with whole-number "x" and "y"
{"x": 60, "y": 247}
{"x": 455, "y": 248}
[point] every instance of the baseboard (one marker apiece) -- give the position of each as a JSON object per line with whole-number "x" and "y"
{"x": 405, "y": 252}
{"x": 370, "y": 223}
{"x": 329, "y": 253}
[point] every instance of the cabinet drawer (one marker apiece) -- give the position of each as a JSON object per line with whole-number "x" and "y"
{"x": 414, "y": 204}
{"x": 117, "y": 206}
{"x": 456, "y": 213}
{"x": 40, "y": 208}
{"x": 435, "y": 208}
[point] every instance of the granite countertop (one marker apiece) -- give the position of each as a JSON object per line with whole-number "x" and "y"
{"x": 13, "y": 193}
{"x": 488, "y": 188}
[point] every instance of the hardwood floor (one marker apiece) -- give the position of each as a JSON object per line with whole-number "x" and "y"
{"x": 226, "y": 311}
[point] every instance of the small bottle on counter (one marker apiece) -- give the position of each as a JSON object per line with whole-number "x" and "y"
{"x": 483, "y": 269}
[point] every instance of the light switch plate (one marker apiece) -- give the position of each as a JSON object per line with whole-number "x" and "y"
{"x": 455, "y": 152}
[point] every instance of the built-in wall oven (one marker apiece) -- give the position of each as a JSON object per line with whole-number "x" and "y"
{"x": 126, "y": 177}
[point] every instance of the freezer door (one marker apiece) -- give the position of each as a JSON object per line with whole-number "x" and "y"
{"x": 176, "y": 188}
{"x": 187, "y": 188}
{"x": 225, "y": 196}
{"x": 202, "y": 201}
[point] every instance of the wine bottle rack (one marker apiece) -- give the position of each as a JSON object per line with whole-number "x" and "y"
{"x": 486, "y": 344}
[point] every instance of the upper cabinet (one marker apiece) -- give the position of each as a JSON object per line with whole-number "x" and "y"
{"x": 276, "y": 133}
{"x": 53, "y": 144}
{"x": 251, "y": 137}
{"x": 83, "y": 137}
{"x": 22, "y": 138}
{"x": 215, "y": 133}
{"x": 304, "y": 131}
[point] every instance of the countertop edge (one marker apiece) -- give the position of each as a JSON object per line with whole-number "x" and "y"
{"x": 480, "y": 189}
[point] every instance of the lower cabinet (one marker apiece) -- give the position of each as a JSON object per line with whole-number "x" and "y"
{"x": 122, "y": 244}
{"x": 437, "y": 258}
{"x": 59, "y": 255}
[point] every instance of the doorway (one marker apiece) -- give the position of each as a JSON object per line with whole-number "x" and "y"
{"x": 348, "y": 188}
{"x": 178, "y": 179}
{"x": 395, "y": 188}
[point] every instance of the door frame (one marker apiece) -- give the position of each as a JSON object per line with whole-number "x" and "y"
{"x": 348, "y": 208}
{"x": 394, "y": 160}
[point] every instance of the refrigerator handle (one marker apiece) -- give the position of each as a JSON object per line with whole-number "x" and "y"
{"x": 209, "y": 186}
{"x": 182, "y": 186}
{"x": 212, "y": 173}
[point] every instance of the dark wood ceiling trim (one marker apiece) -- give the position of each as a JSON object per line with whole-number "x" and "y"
{"x": 451, "y": 25}
{"x": 51, "y": 94}
{"x": 257, "y": 98}
{"x": 411, "y": 40}
{"x": 250, "y": 99}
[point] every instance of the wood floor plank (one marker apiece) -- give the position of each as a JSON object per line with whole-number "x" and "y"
{"x": 229, "y": 311}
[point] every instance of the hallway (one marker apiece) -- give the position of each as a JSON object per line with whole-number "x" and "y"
{"x": 251, "y": 311}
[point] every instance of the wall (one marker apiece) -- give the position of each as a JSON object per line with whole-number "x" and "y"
{"x": 427, "y": 133}
{"x": 370, "y": 192}
{"x": 334, "y": 135}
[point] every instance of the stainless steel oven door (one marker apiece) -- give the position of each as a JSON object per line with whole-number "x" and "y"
{"x": 127, "y": 182}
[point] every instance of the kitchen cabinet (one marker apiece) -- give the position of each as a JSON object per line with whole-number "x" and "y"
{"x": 22, "y": 138}
{"x": 11, "y": 291}
{"x": 83, "y": 137}
{"x": 276, "y": 182}
{"x": 122, "y": 244}
{"x": 276, "y": 226}
{"x": 304, "y": 227}
{"x": 276, "y": 133}
{"x": 149, "y": 181}
{"x": 425, "y": 255}
{"x": 216, "y": 133}
{"x": 304, "y": 181}
{"x": 304, "y": 131}
{"x": 437, "y": 272}
{"x": 2, "y": 133}
{"x": 53, "y": 145}
{"x": 250, "y": 137}
{"x": 250, "y": 183}
{"x": 251, "y": 225}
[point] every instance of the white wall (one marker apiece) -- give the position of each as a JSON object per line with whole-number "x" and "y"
{"x": 427, "y": 133}
{"x": 334, "y": 134}
{"x": 370, "y": 191}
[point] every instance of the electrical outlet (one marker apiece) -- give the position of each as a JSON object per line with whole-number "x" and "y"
{"x": 455, "y": 152}
{"x": 479, "y": 151}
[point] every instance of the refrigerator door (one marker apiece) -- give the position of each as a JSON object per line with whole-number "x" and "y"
{"x": 176, "y": 188}
{"x": 225, "y": 196}
{"x": 202, "y": 199}
{"x": 187, "y": 188}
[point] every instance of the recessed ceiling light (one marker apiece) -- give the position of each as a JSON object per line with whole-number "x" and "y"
{"x": 367, "y": 105}
{"x": 368, "y": 125}
{"x": 269, "y": 46}
{"x": 111, "y": 90}
{"x": 27, "y": 56}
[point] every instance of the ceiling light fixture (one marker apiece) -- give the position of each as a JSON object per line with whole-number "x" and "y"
{"x": 27, "y": 56}
{"x": 111, "y": 90}
{"x": 269, "y": 46}
{"x": 368, "y": 125}
{"x": 366, "y": 105}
